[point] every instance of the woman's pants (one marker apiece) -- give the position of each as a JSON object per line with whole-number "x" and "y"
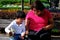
{"x": 41, "y": 35}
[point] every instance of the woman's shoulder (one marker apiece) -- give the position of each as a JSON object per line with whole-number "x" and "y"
{"x": 48, "y": 13}
{"x": 46, "y": 10}
{"x": 30, "y": 11}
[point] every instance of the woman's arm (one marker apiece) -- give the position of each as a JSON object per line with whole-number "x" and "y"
{"x": 27, "y": 20}
{"x": 50, "y": 25}
{"x": 26, "y": 25}
{"x": 50, "y": 20}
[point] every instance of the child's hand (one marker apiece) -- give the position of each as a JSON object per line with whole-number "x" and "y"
{"x": 22, "y": 37}
{"x": 10, "y": 34}
{"x": 23, "y": 34}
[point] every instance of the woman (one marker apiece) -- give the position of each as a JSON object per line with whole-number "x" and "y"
{"x": 40, "y": 21}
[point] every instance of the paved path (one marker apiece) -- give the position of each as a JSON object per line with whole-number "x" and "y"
{"x": 4, "y": 37}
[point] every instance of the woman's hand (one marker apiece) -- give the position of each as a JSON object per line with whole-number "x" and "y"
{"x": 47, "y": 27}
{"x": 27, "y": 32}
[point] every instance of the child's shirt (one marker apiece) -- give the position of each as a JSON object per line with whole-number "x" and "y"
{"x": 17, "y": 29}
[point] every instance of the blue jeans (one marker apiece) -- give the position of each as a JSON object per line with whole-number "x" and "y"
{"x": 11, "y": 38}
{"x": 16, "y": 37}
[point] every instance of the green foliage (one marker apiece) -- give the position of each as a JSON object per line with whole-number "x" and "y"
{"x": 9, "y": 1}
{"x": 26, "y": 1}
{"x": 44, "y": 0}
{"x": 55, "y": 30}
{"x": 5, "y": 2}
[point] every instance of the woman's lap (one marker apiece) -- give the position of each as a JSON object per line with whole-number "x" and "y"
{"x": 42, "y": 35}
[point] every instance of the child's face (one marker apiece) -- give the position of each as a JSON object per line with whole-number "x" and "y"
{"x": 19, "y": 20}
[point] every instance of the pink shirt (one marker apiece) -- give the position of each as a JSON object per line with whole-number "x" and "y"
{"x": 38, "y": 22}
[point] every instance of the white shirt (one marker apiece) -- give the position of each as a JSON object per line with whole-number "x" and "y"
{"x": 17, "y": 29}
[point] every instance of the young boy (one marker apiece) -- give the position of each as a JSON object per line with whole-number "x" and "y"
{"x": 17, "y": 27}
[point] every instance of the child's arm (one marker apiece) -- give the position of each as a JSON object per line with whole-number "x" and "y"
{"x": 23, "y": 32}
{"x": 8, "y": 28}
